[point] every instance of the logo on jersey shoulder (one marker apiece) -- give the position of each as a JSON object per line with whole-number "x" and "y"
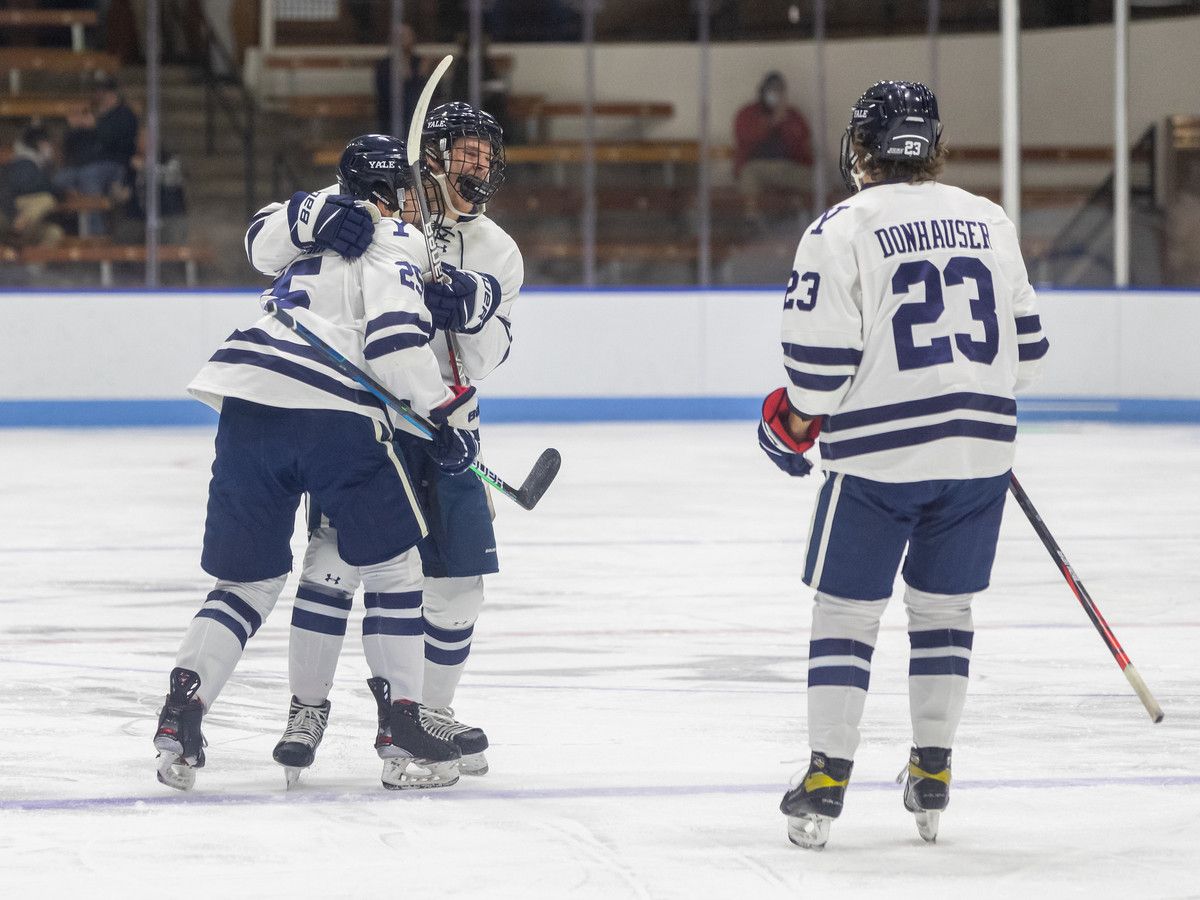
{"x": 826, "y": 216}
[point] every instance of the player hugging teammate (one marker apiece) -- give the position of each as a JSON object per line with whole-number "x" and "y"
{"x": 908, "y": 325}
{"x": 325, "y": 243}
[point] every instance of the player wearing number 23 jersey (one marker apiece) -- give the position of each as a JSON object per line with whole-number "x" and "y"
{"x": 908, "y": 326}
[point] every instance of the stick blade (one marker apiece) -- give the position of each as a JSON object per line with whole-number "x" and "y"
{"x": 540, "y": 477}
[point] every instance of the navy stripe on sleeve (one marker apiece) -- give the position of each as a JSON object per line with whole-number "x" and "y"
{"x": 909, "y": 437}
{"x": 1036, "y": 350}
{"x": 822, "y": 356}
{"x": 817, "y": 382}
{"x": 1029, "y": 324}
{"x": 910, "y": 409}
{"x": 390, "y": 344}
{"x": 250, "y": 236}
{"x": 391, "y": 319}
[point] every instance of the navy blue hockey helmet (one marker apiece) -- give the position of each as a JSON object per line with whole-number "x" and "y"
{"x": 476, "y": 179}
{"x": 893, "y": 120}
{"x": 372, "y": 167}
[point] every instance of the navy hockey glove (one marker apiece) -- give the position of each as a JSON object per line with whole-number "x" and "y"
{"x": 465, "y": 304}
{"x": 777, "y": 441}
{"x": 456, "y": 443}
{"x": 332, "y": 222}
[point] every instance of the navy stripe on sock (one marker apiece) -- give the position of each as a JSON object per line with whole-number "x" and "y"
{"x": 446, "y": 635}
{"x": 340, "y": 600}
{"x": 839, "y": 676}
{"x": 311, "y": 621}
{"x": 840, "y": 647}
{"x": 405, "y": 600}
{"x": 228, "y": 621}
{"x": 239, "y": 606}
{"x": 393, "y": 626}
{"x": 940, "y": 637}
{"x": 447, "y": 657}
{"x": 940, "y": 665}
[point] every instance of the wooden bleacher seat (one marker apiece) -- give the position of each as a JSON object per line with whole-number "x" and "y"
{"x": 35, "y": 59}
{"x": 104, "y": 253}
{"x": 352, "y": 106}
{"x": 75, "y": 19}
{"x": 640, "y": 113}
{"x": 32, "y": 107}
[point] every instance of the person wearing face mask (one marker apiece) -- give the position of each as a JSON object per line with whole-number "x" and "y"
{"x": 26, "y": 195}
{"x": 772, "y": 148}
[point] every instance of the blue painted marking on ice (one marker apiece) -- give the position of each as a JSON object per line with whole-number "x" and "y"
{"x": 466, "y": 793}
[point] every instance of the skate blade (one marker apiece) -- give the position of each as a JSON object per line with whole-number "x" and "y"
{"x": 405, "y": 773}
{"x": 473, "y": 764}
{"x": 927, "y": 825}
{"x": 291, "y": 775}
{"x": 174, "y": 772}
{"x": 810, "y": 831}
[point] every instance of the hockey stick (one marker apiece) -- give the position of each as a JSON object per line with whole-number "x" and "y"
{"x": 1085, "y": 600}
{"x": 536, "y": 483}
{"x": 412, "y": 152}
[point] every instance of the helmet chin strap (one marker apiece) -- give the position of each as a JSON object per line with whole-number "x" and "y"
{"x": 452, "y": 212}
{"x": 857, "y": 173}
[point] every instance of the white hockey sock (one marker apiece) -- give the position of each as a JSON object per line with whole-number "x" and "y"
{"x": 392, "y": 630}
{"x": 451, "y": 607}
{"x": 839, "y": 671}
{"x": 940, "y": 634}
{"x": 323, "y": 603}
{"x": 318, "y": 630}
{"x": 214, "y": 641}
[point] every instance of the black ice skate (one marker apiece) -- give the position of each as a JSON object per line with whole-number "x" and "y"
{"x": 927, "y": 788}
{"x": 178, "y": 740}
{"x": 412, "y": 757}
{"x": 816, "y": 801}
{"x": 471, "y": 741}
{"x": 297, "y": 748}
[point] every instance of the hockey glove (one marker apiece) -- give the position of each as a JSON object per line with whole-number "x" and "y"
{"x": 455, "y": 445}
{"x": 777, "y": 441}
{"x": 332, "y": 222}
{"x": 465, "y": 304}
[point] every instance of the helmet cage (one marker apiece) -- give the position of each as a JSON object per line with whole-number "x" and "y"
{"x": 445, "y": 126}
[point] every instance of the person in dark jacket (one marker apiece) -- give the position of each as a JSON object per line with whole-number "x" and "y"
{"x": 98, "y": 147}
{"x": 26, "y": 195}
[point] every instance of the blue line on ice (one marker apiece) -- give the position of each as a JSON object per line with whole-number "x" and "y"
{"x": 83, "y": 804}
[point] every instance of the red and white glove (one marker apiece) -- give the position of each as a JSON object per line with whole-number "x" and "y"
{"x": 775, "y": 437}
{"x": 455, "y": 445}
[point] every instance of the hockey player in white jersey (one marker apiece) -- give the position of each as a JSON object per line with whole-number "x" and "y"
{"x": 465, "y": 155}
{"x": 908, "y": 324}
{"x": 291, "y": 423}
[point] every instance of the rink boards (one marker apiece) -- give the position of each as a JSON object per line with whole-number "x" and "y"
{"x": 124, "y": 358}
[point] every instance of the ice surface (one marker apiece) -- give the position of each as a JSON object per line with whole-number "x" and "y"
{"x": 639, "y": 668}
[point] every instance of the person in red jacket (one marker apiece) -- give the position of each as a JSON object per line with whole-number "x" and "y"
{"x": 772, "y": 147}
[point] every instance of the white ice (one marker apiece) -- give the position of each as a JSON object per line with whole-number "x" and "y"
{"x": 640, "y": 670}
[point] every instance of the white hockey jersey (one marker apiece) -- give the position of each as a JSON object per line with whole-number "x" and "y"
{"x": 370, "y": 309}
{"x": 909, "y": 322}
{"x": 276, "y": 236}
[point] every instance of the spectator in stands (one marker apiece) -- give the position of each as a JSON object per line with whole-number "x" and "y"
{"x": 98, "y": 147}
{"x": 492, "y": 87}
{"x": 172, "y": 206}
{"x": 415, "y": 72}
{"x": 26, "y": 196}
{"x": 773, "y": 148}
